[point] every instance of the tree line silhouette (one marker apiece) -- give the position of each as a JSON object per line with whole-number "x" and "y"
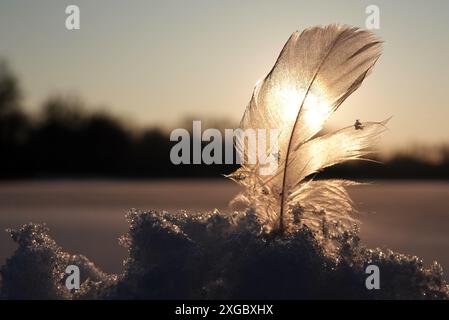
{"x": 66, "y": 141}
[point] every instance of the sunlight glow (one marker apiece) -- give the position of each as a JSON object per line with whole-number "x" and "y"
{"x": 289, "y": 102}
{"x": 316, "y": 110}
{"x": 316, "y": 106}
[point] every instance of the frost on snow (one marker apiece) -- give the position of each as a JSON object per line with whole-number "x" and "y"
{"x": 216, "y": 256}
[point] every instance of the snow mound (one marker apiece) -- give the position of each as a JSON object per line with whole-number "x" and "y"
{"x": 216, "y": 256}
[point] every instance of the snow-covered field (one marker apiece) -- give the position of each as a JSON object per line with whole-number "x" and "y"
{"x": 88, "y": 216}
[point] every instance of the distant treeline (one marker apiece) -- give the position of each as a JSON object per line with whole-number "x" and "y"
{"x": 65, "y": 141}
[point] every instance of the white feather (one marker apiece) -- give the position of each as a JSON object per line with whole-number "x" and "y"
{"x": 316, "y": 71}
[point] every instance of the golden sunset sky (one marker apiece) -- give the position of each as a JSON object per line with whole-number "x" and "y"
{"x": 155, "y": 62}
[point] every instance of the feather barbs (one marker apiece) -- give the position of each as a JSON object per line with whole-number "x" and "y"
{"x": 315, "y": 72}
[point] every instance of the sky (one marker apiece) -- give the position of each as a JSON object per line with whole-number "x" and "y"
{"x": 158, "y": 62}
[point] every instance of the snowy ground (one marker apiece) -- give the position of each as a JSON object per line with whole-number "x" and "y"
{"x": 88, "y": 217}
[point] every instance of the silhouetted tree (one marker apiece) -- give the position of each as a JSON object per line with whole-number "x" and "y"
{"x": 14, "y": 125}
{"x": 9, "y": 89}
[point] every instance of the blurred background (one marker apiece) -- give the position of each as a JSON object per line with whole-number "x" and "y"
{"x": 85, "y": 115}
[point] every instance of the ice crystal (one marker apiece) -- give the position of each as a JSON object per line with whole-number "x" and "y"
{"x": 216, "y": 256}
